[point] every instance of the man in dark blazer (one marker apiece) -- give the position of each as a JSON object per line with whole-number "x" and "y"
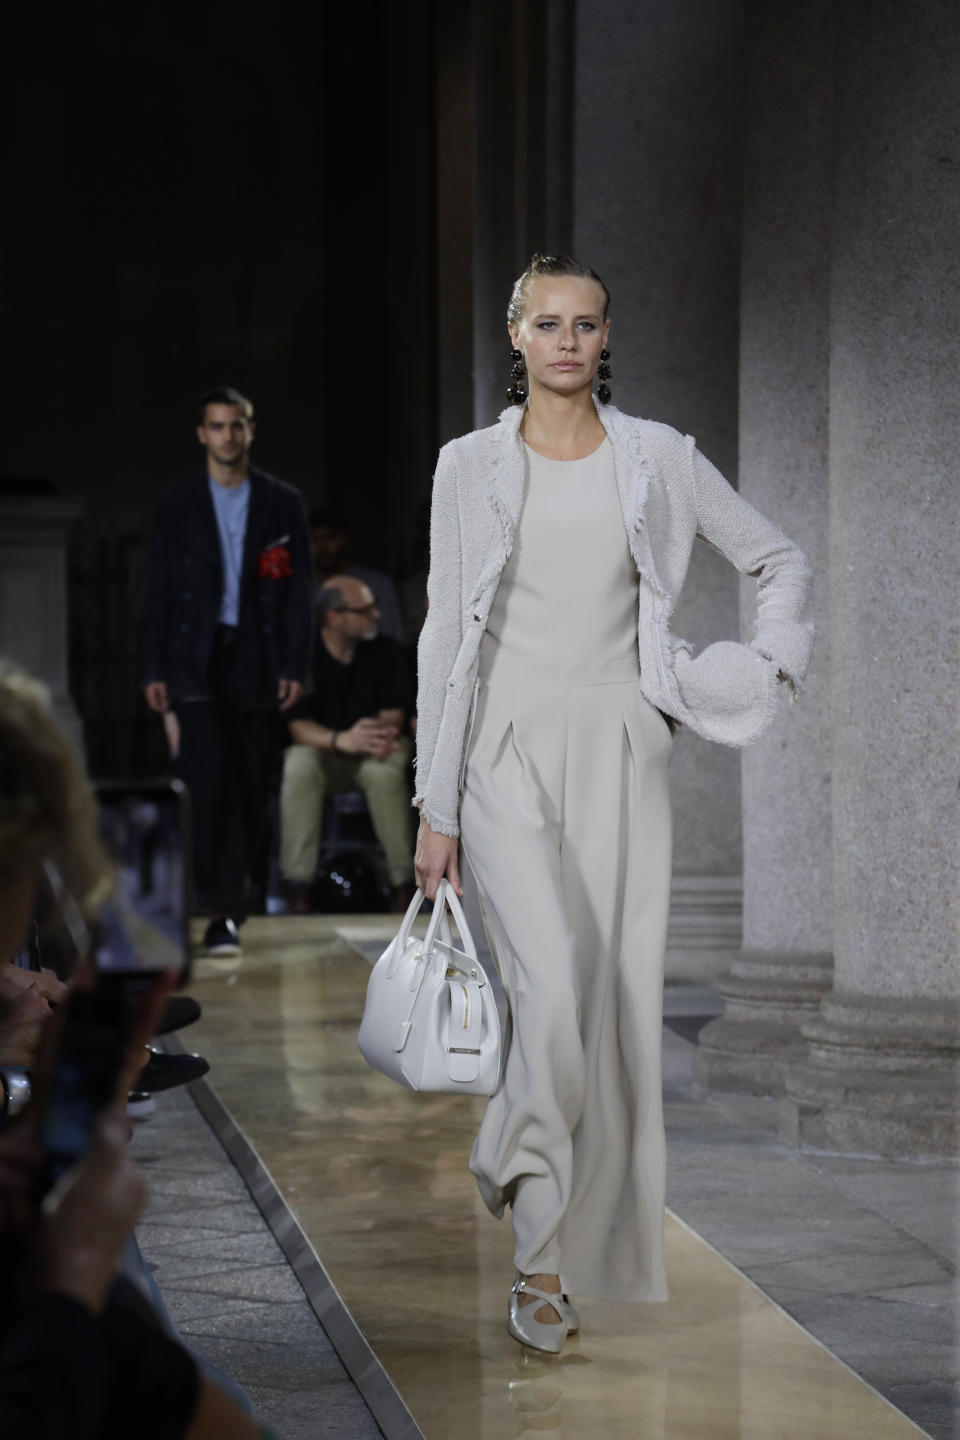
{"x": 227, "y": 642}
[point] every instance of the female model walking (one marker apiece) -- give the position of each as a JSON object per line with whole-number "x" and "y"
{"x": 560, "y": 539}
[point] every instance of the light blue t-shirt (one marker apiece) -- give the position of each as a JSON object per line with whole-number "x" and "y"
{"x": 230, "y": 507}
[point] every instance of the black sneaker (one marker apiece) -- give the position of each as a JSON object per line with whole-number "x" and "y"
{"x": 221, "y": 938}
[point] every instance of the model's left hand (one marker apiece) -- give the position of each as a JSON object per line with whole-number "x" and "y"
{"x": 289, "y": 692}
{"x": 436, "y": 859}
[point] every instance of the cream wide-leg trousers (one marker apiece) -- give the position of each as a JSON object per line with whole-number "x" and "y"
{"x": 565, "y": 821}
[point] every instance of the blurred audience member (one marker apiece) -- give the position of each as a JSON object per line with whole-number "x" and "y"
{"x": 82, "y": 1355}
{"x": 45, "y": 805}
{"x": 331, "y": 550}
{"x": 348, "y": 735}
{"x": 226, "y": 641}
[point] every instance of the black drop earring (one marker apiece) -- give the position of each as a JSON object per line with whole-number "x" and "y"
{"x": 603, "y": 375}
{"x": 516, "y": 393}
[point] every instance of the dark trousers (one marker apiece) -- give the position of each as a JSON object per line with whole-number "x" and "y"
{"x": 227, "y": 759}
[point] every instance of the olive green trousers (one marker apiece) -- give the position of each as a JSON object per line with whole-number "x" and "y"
{"x": 310, "y": 775}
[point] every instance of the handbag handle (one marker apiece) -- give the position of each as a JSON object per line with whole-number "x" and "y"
{"x": 403, "y": 934}
{"x": 447, "y": 896}
{"x": 406, "y": 924}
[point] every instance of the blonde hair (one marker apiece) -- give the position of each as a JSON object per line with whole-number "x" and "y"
{"x": 550, "y": 265}
{"x": 47, "y": 806}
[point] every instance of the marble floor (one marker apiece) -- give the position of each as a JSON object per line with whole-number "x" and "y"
{"x": 227, "y": 1286}
{"x": 376, "y": 1178}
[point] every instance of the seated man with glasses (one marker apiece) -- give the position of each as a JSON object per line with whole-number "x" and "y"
{"x": 348, "y": 734}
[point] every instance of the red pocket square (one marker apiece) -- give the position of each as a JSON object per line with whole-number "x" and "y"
{"x": 275, "y": 563}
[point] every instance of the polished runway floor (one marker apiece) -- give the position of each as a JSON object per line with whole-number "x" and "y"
{"x": 377, "y": 1179}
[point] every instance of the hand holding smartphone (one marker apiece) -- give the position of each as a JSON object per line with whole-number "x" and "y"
{"x": 96, "y": 1044}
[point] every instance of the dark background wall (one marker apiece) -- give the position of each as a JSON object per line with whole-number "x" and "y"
{"x": 236, "y": 194}
{"x": 245, "y": 196}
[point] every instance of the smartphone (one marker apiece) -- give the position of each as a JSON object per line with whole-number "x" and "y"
{"x": 77, "y": 1079}
{"x": 145, "y": 925}
{"x": 142, "y": 929}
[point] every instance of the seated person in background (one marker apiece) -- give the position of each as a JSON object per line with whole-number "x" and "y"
{"x": 331, "y": 547}
{"x": 348, "y": 735}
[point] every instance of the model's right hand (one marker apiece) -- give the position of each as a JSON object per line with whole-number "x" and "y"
{"x": 436, "y": 858}
{"x": 156, "y": 693}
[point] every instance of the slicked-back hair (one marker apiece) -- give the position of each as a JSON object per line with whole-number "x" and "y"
{"x": 224, "y": 395}
{"x": 550, "y": 265}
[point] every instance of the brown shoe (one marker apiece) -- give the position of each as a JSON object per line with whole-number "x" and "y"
{"x": 299, "y": 898}
{"x": 400, "y": 897}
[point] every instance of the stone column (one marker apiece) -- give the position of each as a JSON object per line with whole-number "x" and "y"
{"x": 33, "y": 594}
{"x": 785, "y": 965}
{"x": 881, "y": 1071}
{"x": 656, "y": 211}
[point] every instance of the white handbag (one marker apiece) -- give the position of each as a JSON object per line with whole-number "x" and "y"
{"x": 432, "y": 1020}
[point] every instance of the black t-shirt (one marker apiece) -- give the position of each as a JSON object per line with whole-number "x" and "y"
{"x": 376, "y": 679}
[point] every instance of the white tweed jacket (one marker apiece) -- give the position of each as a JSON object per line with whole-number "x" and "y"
{"x": 669, "y": 494}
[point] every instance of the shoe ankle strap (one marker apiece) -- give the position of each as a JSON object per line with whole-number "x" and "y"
{"x": 520, "y": 1287}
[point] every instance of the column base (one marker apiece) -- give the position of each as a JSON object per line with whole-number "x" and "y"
{"x": 880, "y": 1077}
{"x": 706, "y": 927}
{"x": 767, "y": 995}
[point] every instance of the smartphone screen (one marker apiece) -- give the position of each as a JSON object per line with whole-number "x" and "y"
{"x": 144, "y": 926}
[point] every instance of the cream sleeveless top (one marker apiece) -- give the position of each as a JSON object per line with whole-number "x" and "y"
{"x": 565, "y": 610}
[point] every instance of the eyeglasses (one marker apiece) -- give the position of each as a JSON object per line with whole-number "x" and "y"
{"x": 357, "y": 609}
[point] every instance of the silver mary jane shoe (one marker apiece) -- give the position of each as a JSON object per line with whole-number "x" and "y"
{"x": 523, "y": 1327}
{"x": 570, "y": 1314}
